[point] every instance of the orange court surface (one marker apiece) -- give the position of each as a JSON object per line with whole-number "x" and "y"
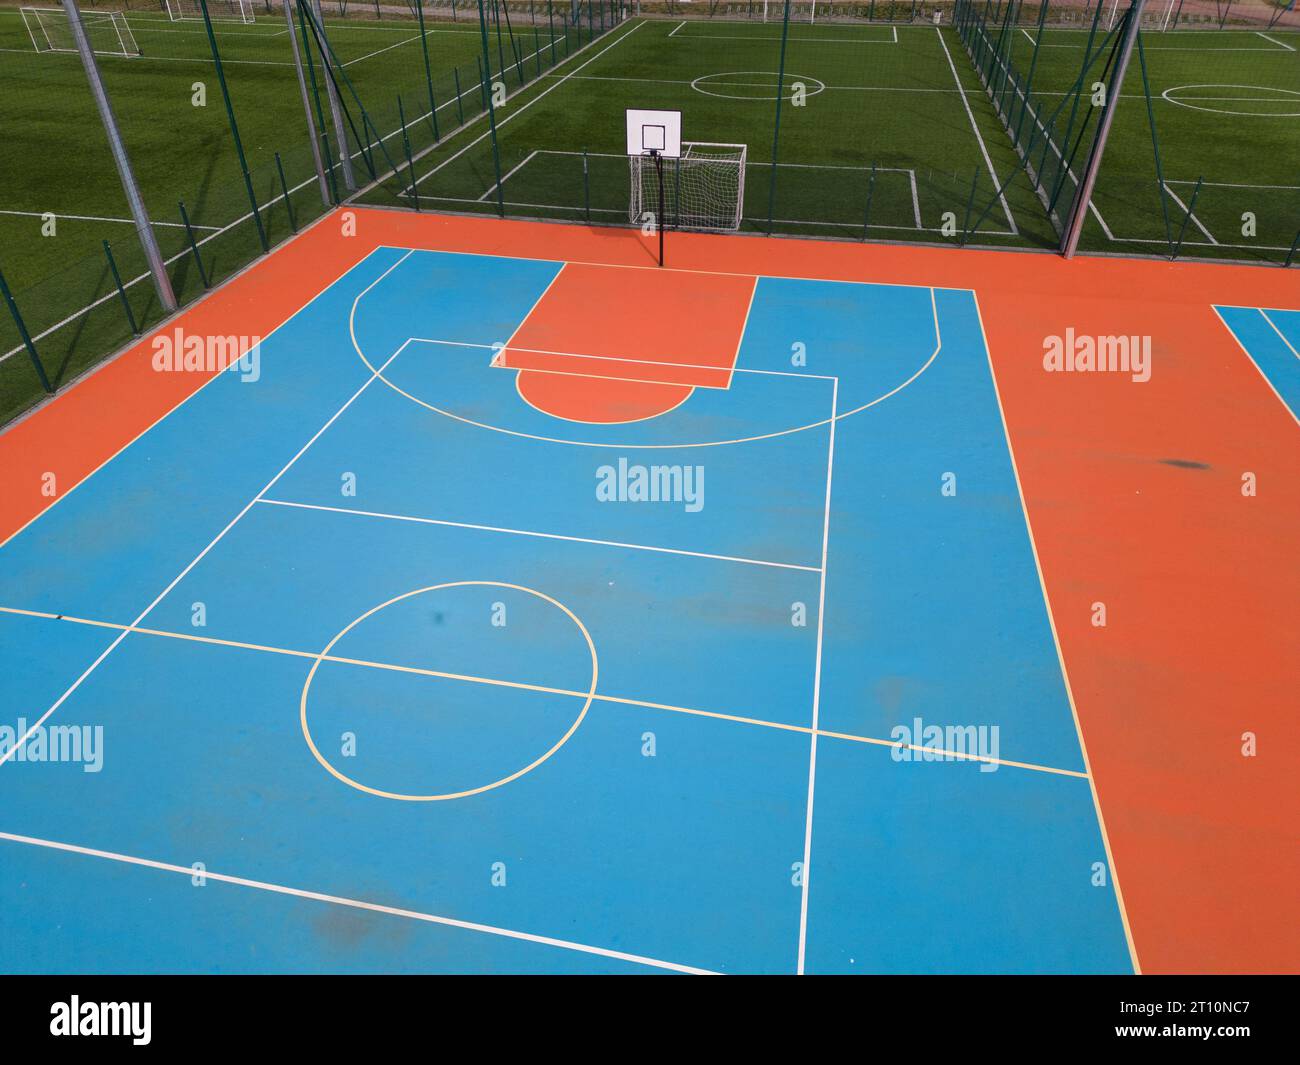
{"x": 1121, "y": 593}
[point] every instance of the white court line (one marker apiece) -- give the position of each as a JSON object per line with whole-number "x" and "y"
{"x": 627, "y": 445}
{"x": 677, "y": 27}
{"x": 683, "y": 270}
{"x": 1056, "y": 640}
{"x": 96, "y": 218}
{"x": 1280, "y": 335}
{"x": 817, "y": 688}
{"x": 1011, "y": 222}
{"x": 537, "y": 534}
{"x": 9, "y": 753}
{"x": 732, "y": 369}
{"x": 916, "y": 198}
{"x": 514, "y": 114}
{"x": 1258, "y": 369}
{"x": 167, "y": 414}
{"x": 1274, "y": 41}
{"x": 358, "y": 904}
{"x": 1187, "y": 213}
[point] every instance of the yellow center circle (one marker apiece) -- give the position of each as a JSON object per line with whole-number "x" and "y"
{"x": 325, "y": 656}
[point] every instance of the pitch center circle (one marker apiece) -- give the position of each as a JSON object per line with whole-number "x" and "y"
{"x": 745, "y": 84}
{"x": 1224, "y": 100}
{"x": 587, "y": 693}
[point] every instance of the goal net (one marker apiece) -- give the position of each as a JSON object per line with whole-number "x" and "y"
{"x": 107, "y": 31}
{"x": 218, "y": 10}
{"x": 704, "y": 189}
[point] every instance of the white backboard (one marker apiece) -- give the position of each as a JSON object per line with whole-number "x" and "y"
{"x": 659, "y": 131}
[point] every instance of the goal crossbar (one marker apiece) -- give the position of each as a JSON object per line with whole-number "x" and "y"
{"x": 218, "y": 11}
{"x": 107, "y": 31}
{"x": 703, "y": 189}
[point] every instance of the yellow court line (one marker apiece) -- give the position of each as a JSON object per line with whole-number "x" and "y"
{"x": 544, "y": 689}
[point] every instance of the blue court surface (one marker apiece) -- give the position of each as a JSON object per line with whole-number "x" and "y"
{"x": 1272, "y": 340}
{"x": 386, "y": 685}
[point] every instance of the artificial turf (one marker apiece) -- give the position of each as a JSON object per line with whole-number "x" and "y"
{"x": 885, "y": 132}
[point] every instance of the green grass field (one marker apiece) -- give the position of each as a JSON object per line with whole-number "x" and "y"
{"x": 906, "y": 99}
{"x": 903, "y": 98}
{"x": 56, "y": 158}
{"x": 1226, "y": 107}
{"x": 886, "y": 132}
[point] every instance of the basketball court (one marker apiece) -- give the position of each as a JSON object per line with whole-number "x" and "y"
{"x": 521, "y": 606}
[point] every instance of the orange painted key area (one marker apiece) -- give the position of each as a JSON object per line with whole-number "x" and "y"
{"x": 1133, "y": 493}
{"x": 642, "y": 328}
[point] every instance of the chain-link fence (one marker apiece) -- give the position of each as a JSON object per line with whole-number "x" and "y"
{"x": 959, "y": 122}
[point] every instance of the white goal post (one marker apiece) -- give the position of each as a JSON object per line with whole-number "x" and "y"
{"x": 107, "y": 31}
{"x": 703, "y": 189}
{"x": 218, "y": 10}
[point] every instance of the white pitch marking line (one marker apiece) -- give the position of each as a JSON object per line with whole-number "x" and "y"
{"x": 514, "y": 114}
{"x": 1187, "y": 212}
{"x": 97, "y": 218}
{"x": 359, "y": 904}
{"x": 538, "y": 534}
{"x": 527, "y": 159}
{"x": 1027, "y": 106}
{"x": 777, "y": 37}
{"x": 916, "y": 198}
{"x": 381, "y": 51}
{"x": 1274, "y": 40}
{"x": 1011, "y": 222}
{"x": 199, "y": 557}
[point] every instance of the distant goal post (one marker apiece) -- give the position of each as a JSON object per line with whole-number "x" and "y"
{"x": 107, "y": 31}
{"x": 218, "y": 10}
{"x": 704, "y": 186}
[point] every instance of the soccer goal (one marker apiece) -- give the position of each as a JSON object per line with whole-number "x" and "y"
{"x": 704, "y": 188}
{"x": 107, "y": 31}
{"x": 218, "y": 10}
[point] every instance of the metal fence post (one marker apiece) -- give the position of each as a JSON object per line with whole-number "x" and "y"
{"x": 491, "y": 109}
{"x": 121, "y": 292}
{"x": 234, "y": 126}
{"x": 143, "y": 227}
{"x": 776, "y": 126}
{"x": 306, "y": 105}
{"x": 340, "y": 134}
{"x": 22, "y": 332}
{"x": 194, "y": 245}
{"x": 1070, "y": 240}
